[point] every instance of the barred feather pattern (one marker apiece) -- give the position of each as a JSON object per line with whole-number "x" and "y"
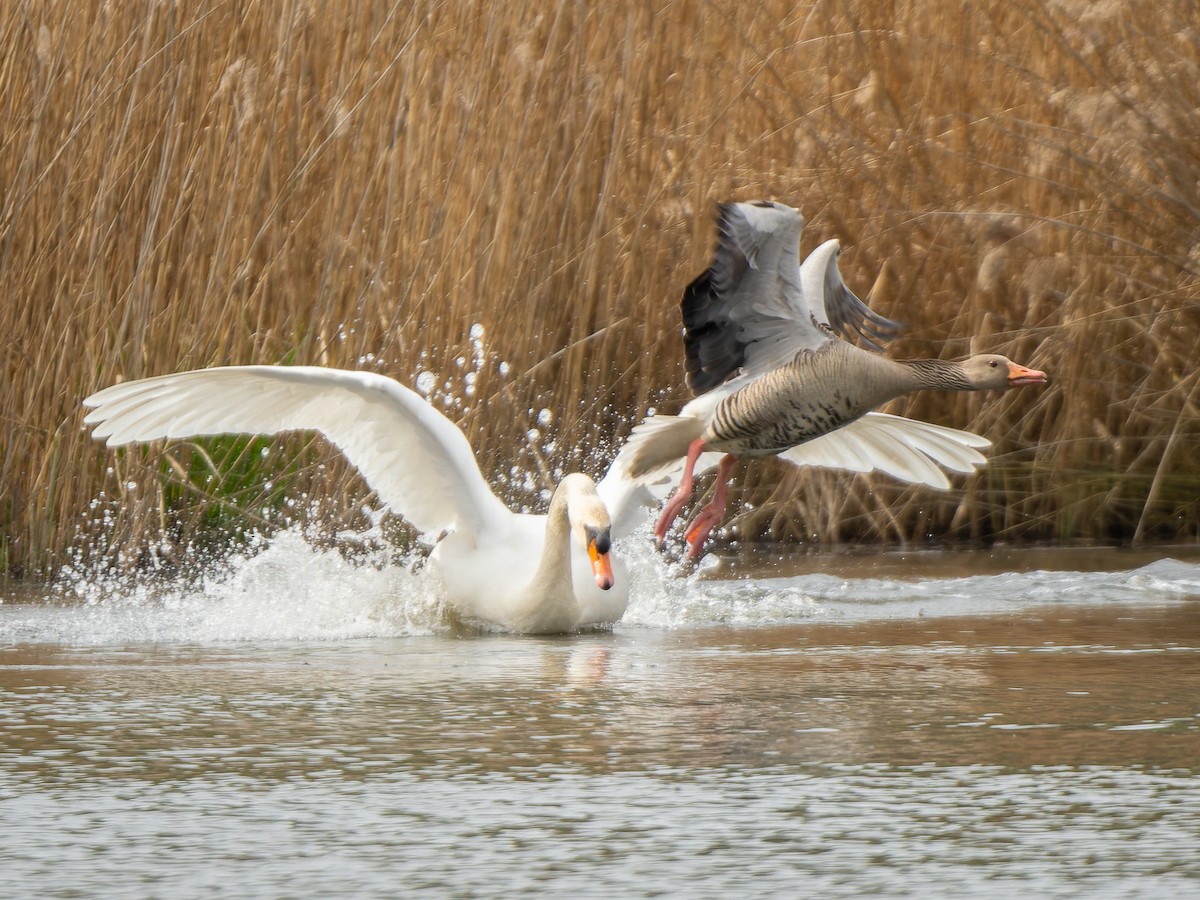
{"x": 817, "y": 392}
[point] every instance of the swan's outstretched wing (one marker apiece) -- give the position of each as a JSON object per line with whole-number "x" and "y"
{"x": 417, "y": 461}
{"x": 907, "y": 449}
{"x": 632, "y": 502}
{"x": 755, "y": 307}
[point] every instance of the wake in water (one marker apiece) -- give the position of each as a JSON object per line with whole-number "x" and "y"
{"x": 778, "y": 601}
{"x": 285, "y": 588}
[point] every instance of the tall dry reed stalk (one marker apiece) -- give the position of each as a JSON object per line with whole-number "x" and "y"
{"x": 512, "y": 197}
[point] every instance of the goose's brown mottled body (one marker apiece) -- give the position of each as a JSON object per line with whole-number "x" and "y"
{"x": 808, "y": 397}
{"x": 817, "y": 392}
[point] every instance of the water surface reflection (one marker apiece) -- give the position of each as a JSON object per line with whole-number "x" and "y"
{"x": 1071, "y": 686}
{"x": 1049, "y": 748}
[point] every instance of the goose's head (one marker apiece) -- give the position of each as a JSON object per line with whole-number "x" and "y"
{"x": 992, "y": 372}
{"x": 591, "y": 526}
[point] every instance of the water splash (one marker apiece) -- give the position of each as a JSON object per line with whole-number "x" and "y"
{"x": 281, "y": 588}
{"x": 288, "y": 587}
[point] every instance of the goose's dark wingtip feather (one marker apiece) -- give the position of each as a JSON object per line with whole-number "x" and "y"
{"x": 872, "y": 330}
{"x": 852, "y": 318}
{"x": 697, "y": 297}
{"x": 711, "y": 349}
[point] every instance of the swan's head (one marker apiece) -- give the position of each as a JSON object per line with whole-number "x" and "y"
{"x": 599, "y": 545}
{"x": 591, "y": 526}
{"x": 992, "y": 372}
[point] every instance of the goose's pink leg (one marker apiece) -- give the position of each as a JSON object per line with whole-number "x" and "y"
{"x": 675, "y": 504}
{"x": 707, "y": 518}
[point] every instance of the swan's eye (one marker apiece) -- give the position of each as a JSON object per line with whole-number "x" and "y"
{"x": 601, "y": 538}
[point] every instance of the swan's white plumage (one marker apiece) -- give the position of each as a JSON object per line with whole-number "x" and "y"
{"x": 417, "y": 461}
{"x": 496, "y": 565}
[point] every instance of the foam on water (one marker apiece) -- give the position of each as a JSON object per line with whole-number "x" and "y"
{"x": 674, "y": 602}
{"x": 286, "y": 588}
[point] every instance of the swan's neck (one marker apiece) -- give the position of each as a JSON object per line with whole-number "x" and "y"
{"x": 935, "y": 375}
{"x": 551, "y": 592}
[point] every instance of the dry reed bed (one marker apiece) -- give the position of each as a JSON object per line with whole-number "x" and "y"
{"x": 193, "y": 184}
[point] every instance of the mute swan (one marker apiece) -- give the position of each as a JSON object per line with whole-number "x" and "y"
{"x": 770, "y": 374}
{"x": 516, "y": 572}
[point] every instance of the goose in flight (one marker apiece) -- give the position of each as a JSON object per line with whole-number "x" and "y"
{"x": 771, "y": 376}
{"x": 506, "y": 571}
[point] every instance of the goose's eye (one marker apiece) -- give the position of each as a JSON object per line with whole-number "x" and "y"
{"x": 993, "y": 363}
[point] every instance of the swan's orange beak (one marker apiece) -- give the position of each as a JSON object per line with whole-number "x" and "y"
{"x": 601, "y": 566}
{"x": 1019, "y": 375}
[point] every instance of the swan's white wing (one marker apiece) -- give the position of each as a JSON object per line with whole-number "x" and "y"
{"x": 833, "y": 305}
{"x": 632, "y": 502}
{"x": 418, "y": 462}
{"x": 907, "y": 449}
{"x": 629, "y": 502}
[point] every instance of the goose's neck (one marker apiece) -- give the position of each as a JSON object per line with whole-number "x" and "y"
{"x": 934, "y": 375}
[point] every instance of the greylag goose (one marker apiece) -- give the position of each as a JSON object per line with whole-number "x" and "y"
{"x": 503, "y": 570}
{"x": 770, "y": 373}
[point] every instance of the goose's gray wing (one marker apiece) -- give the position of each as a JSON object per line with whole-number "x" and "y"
{"x": 755, "y": 307}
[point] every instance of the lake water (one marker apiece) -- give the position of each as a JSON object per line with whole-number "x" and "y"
{"x": 901, "y": 724}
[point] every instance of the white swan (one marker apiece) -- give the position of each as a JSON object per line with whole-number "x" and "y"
{"x": 515, "y": 572}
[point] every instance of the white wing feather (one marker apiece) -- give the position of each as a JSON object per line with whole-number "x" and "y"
{"x": 417, "y": 461}
{"x": 907, "y": 449}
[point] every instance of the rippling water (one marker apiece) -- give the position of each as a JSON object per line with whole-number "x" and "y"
{"x": 900, "y": 724}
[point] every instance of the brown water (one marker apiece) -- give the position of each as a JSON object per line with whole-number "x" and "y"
{"x": 886, "y": 743}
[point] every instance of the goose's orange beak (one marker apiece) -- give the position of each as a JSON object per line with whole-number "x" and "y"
{"x": 601, "y": 567}
{"x": 1019, "y": 375}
